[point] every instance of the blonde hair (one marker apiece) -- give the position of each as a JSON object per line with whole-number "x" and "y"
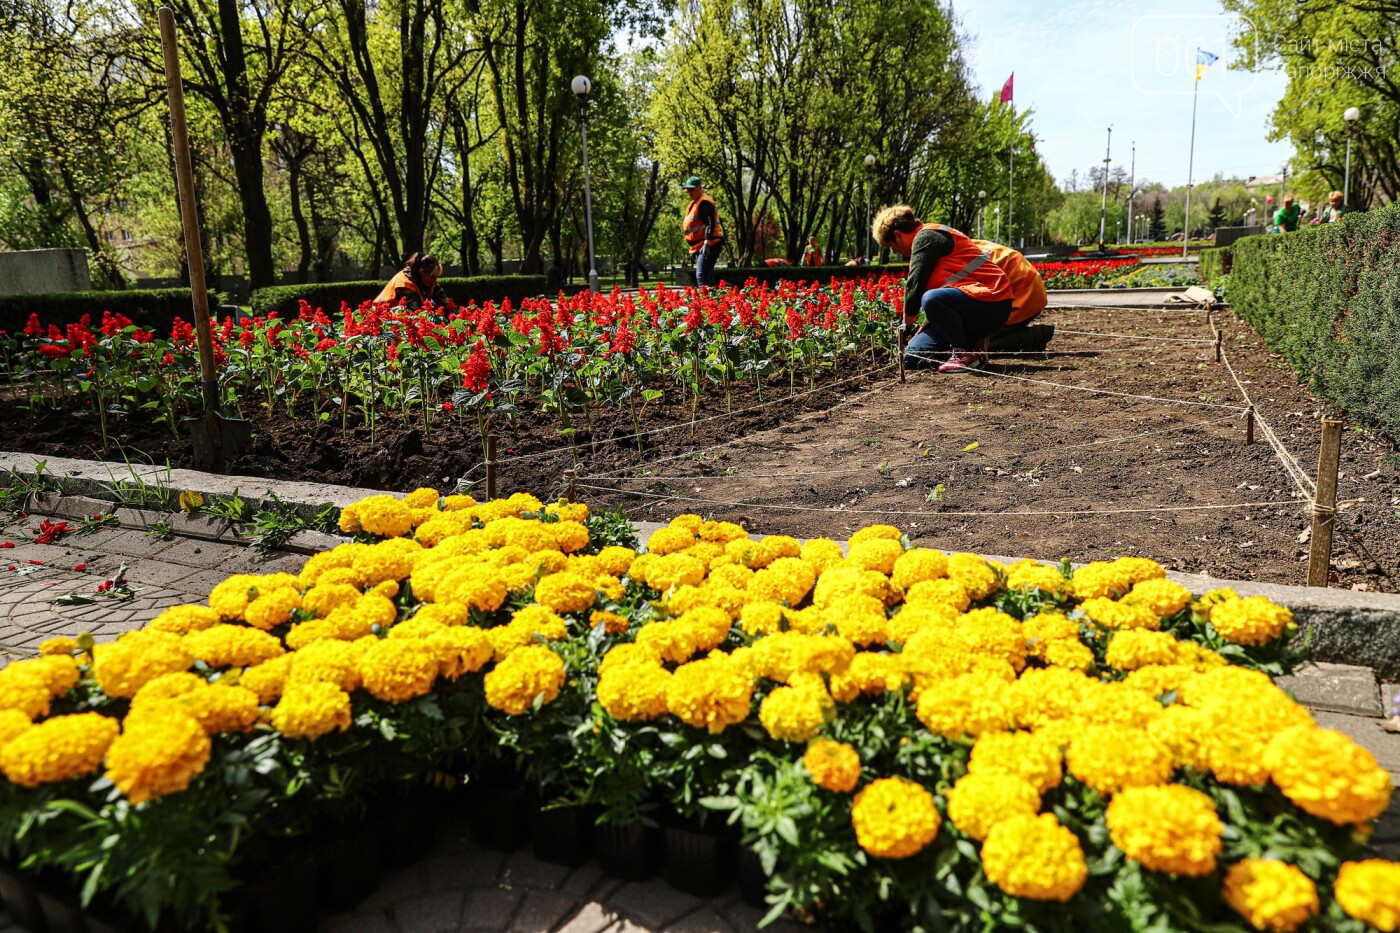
{"x": 898, "y": 218}
{"x": 1335, "y": 194}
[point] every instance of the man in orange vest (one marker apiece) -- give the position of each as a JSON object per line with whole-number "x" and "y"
{"x": 812, "y": 255}
{"x": 964, "y": 295}
{"x": 704, "y": 234}
{"x": 415, "y": 283}
{"x": 1028, "y": 299}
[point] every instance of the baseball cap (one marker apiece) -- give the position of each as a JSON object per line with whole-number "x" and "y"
{"x": 692, "y": 182}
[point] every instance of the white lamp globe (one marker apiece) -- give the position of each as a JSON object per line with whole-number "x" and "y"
{"x": 1352, "y": 115}
{"x": 581, "y": 86}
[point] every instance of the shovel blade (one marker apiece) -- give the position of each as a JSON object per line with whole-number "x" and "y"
{"x": 217, "y": 440}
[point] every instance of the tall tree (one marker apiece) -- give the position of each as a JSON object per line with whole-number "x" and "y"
{"x": 1158, "y": 229}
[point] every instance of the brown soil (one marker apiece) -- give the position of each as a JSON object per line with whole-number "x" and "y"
{"x": 866, "y": 448}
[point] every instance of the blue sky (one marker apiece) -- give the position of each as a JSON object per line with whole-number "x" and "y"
{"x": 1085, "y": 64}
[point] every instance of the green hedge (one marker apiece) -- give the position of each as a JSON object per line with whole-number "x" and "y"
{"x": 152, "y": 308}
{"x": 736, "y": 275}
{"x": 1328, "y": 299}
{"x": 1215, "y": 262}
{"x": 328, "y": 295}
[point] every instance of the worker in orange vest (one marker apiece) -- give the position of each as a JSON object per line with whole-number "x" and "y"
{"x": 704, "y": 234}
{"x": 964, "y": 295}
{"x": 415, "y": 283}
{"x": 812, "y": 255}
{"x": 1028, "y": 299}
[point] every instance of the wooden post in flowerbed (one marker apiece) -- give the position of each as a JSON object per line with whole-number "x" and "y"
{"x": 1325, "y": 504}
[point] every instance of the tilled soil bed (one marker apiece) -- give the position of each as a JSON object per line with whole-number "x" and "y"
{"x": 1019, "y": 460}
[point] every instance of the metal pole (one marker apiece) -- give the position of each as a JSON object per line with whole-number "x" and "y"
{"x": 865, "y": 240}
{"x": 1346, "y": 182}
{"x": 1103, "y": 208}
{"x": 1132, "y": 179}
{"x": 1190, "y": 168}
{"x": 998, "y": 217}
{"x": 1010, "y": 196}
{"x": 588, "y": 198}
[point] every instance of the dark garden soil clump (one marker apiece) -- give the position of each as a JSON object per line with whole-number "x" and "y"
{"x": 854, "y": 456}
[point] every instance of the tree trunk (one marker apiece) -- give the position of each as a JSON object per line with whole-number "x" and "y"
{"x": 294, "y": 176}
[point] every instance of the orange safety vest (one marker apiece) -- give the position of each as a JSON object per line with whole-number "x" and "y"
{"x": 968, "y": 269}
{"x": 1027, "y": 288}
{"x": 812, "y": 256}
{"x": 694, "y": 227}
{"x": 400, "y": 280}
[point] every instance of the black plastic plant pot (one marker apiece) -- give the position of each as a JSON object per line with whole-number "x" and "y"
{"x": 20, "y": 900}
{"x": 496, "y": 815}
{"x": 562, "y": 835}
{"x": 350, "y": 865}
{"x": 698, "y": 862}
{"x": 282, "y": 901}
{"x": 412, "y": 823}
{"x": 630, "y": 851}
{"x": 753, "y": 883}
{"x": 61, "y": 913}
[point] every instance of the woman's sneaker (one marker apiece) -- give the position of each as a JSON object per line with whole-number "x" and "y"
{"x": 963, "y": 361}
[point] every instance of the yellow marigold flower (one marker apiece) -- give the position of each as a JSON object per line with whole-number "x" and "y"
{"x": 62, "y": 645}
{"x": 1034, "y": 857}
{"x": 268, "y": 678}
{"x": 531, "y": 674}
{"x": 721, "y": 532}
{"x": 526, "y": 535}
{"x": 1069, "y": 654}
{"x": 1116, "y": 704}
{"x": 124, "y": 666}
{"x": 1162, "y": 596}
{"x": 944, "y": 592}
{"x": 972, "y": 704}
{"x": 327, "y": 660}
{"x": 1042, "y": 696}
{"x": 834, "y": 766}
{"x": 785, "y": 580}
{"x": 1131, "y": 649}
{"x": 918, "y": 565}
{"x": 552, "y": 561}
{"x": 773, "y": 547}
{"x": 977, "y": 802}
{"x": 12, "y": 723}
{"x": 311, "y": 709}
{"x": 1158, "y": 679}
{"x": 159, "y": 753}
{"x": 634, "y": 692}
{"x": 793, "y": 714}
{"x": 1046, "y": 627}
{"x": 612, "y": 622}
{"x": 894, "y": 818}
{"x": 707, "y": 553}
{"x": 565, "y": 592}
{"x": 339, "y": 557}
{"x": 1031, "y": 575}
{"x": 230, "y": 597}
{"x": 779, "y": 656}
{"x": 975, "y": 574}
{"x": 877, "y": 554}
{"x": 569, "y": 536}
{"x": 1270, "y": 895}
{"x": 58, "y": 749}
{"x": 994, "y": 634}
{"x": 181, "y": 620}
{"x": 529, "y": 626}
{"x": 568, "y": 511}
{"x": 1172, "y": 828}
{"x": 1369, "y": 891}
{"x": 1027, "y": 755}
{"x": 711, "y": 625}
{"x": 1119, "y": 615}
{"x": 669, "y": 641}
{"x": 272, "y": 608}
{"x": 1184, "y": 732}
{"x": 397, "y": 670}
{"x": 457, "y": 503}
{"x": 616, "y": 560}
{"x": 1099, "y": 579}
{"x": 449, "y": 614}
{"x": 712, "y": 693}
{"x": 627, "y": 654}
{"x": 1139, "y": 569}
{"x": 343, "y": 624}
{"x": 420, "y": 626}
{"x": 670, "y": 539}
{"x": 870, "y": 674}
{"x": 1254, "y": 620}
{"x": 860, "y": 620}
{"x": 222, "y": 707}
{"x": 1111, "y": 758}
{"x": 434, "y": 531}
{"x": 875, "y": 533}
{"x": 461, "y": 650}
{"x": 821, "y": 553}
{"x": 382, "y": 516}
{"x": 911, "y": 620}
{"x": 422, "y": 498}
{"x": 473, "y": 585}
{"x": 392, "y": 559}
{"x": 232, "y": 646}
{"x": 58, "y": 673}
{"x": 672, "y": 570}
{"x": 689, "y": 522}
{"x": 1327, "y": 774}
{"x": 849, "y": 580}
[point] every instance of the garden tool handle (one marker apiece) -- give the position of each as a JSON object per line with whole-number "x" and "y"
{"x": 189, "y": 211}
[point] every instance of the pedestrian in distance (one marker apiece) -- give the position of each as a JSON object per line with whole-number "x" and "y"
{"x": 1286, "y": 217}
{"x": 704, "y": 233}
{"x": 415, "y": 283}
{"x": 964, "y": 296}
{"x": 1335, "y": 209}
{"x": 812, "y": 255}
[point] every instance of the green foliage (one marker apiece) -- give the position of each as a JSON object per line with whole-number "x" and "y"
{"x": 284, "y": 299}
{"x": 1215, "y": 262}
{"x": 1328, "y": 299}
{"x": 150, "y": 308}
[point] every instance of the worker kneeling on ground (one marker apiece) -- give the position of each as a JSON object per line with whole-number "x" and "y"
{"x": 415, "y": 283}
{"x": 965, "y": 296}
{"x": 1028, "y": 299}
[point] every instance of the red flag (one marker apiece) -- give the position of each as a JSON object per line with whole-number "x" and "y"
{"x": 1006, "y": 88}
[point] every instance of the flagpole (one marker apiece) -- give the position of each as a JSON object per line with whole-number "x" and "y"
{"x": 1191, "y": 160}
{"x": 1132, "y": 176}
{"x": 1011, "y": 196}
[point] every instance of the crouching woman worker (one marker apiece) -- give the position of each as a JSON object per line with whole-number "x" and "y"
{"x": 415, "y": 283}
{"x": 963, "y": 294}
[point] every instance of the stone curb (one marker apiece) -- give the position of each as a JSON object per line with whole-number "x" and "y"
{"x": 1346, "y": 626}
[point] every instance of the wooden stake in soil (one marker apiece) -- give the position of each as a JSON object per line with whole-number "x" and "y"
{"x": 1325, "y": 503}
{"x": 571, "y": 485}
{"x": 490, "y": 466}
{"x": 1249, "y": 425}
{"x": 900, "y": 353}
{"x": 1218, "y": 335}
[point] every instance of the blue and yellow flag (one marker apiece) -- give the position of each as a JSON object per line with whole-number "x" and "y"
{"x": 1203, "y": 61}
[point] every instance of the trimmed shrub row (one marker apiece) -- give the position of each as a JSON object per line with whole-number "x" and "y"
{"x": 152, "y": 308}
{"x": 731, "y": 275}
{"x": 1215, "y": 262}
{"x": 1328, "y": 299}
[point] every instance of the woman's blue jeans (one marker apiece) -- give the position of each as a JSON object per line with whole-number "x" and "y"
{"x": 953, "y": 321}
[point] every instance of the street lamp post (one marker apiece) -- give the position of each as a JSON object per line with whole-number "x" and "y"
{"x": 997, "y": 212}
{"x": 1282, "y": 189}
{"x": 1103, "y": 209}
{"x": 1351, "y": 116}
{"x": 869, "y": 220}
{"x": 581, "y": 86}
{"x": 981, "y": 210}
